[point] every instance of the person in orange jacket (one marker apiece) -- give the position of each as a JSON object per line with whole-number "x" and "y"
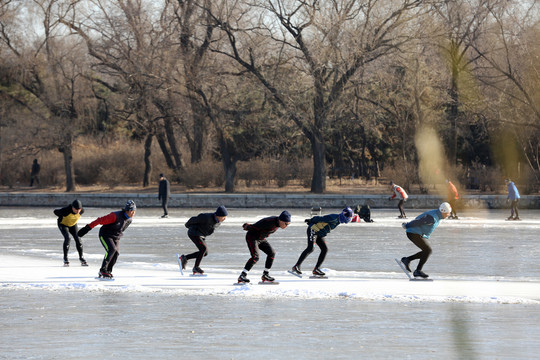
{"x": 401, "y": 195}
{"x": 453, "y": 196}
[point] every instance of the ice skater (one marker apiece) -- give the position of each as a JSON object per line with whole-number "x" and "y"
{"x": 401, "y": 195}
{"x": 418, "y": 231}
{"x": 67, "y": 223}
{"x": 256, "y": 239}
{"x": 200, "y": 227}
{"x": 112, "y": 229}
{"x": 453, "y": 197}
{"x": 513, "y": 195}
{"x": 362, "y": 212}
{"x": 318, "y": 228}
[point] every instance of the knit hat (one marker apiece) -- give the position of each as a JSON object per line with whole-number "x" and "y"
{"x": 76, "y": 204}
{"x": 221, "y": 211}
{"x": 285, "y": 216}
{"x": 130, "y": 206}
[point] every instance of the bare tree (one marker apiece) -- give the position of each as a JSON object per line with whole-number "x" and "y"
{"x": 317, "y": 48}
{"x": 461, "y": 26}
{"x": 132, "y": 48}
{"x": 508, "y": 66}
{"x": 195, "y": 34}
{"x": 50, "y": 78}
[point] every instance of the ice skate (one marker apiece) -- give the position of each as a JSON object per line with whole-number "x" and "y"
{"x": 197, "y": 271}
{"x": 406, "y": 263}
{"x": 242, "y": 279}
{"x": 420, "y": 273}
{"x": 295, "y": 271}
{"x": 266, "y": 277}
{"x": 183, "y": 261}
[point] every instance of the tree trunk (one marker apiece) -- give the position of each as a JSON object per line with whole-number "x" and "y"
{"x": 147, "y": 161}
{"x": 318, "y": 182}
{"x": 229, "y": 163}
{"x": 230, "y": 175}
{"x": 165, "y": 150}
{"x": 453, "y": 114}
{"x": 68, "y": 167}
{"x": 169, "y": 131}
{"x": 196, "y": 146}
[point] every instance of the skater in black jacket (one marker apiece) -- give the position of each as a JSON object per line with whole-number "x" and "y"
{"x": 200, "y": 227}
{"x": 256, "y": 240}
{"x": 67, "y": 223}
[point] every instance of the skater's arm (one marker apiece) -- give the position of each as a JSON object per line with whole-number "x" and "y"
{"x": 104, "y": 220}
{"x": 192, "y": 221}
{"x": 65, "y": 211}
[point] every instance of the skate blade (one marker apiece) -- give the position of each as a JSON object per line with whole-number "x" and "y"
{"x": 295, "y": 274}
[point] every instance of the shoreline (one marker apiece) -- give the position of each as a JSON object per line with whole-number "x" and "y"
{"x": 256, "y": 200}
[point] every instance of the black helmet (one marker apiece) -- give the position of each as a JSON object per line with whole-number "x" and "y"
{"x": 76, "y": 204}
{"x": 130, "y": 206}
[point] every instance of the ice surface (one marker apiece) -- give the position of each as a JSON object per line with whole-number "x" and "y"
{"x": 484, "y": 302}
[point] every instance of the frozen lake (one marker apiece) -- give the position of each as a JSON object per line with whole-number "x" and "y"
{"x": 71, "y": 317}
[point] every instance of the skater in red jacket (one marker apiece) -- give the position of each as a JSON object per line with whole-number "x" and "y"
{"x": 114, "y": 225}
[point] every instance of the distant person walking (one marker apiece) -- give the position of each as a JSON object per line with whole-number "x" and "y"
{"x": 418, "y": 231}
{"x": 199, "y": 227}
{"x": 67, "y": 223}
{"x": 114, "y": 225}
{"x": 401, "y": 195}
{"x": 34, "y": 173}
{"x": 513, "y": 195}
{"x": 256, "y": 240}
{"x": 318, "y": 228}
{"x": 453, "y": 197}
{"x": 164, "y": 194}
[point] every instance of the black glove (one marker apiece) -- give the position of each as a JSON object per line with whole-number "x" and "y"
{"x": 307, "y": 221}
{"x": 84, "y": 231}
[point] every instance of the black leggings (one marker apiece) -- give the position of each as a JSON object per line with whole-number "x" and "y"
{"x": 265, "y": 247}
{"x": 423, "y": 255}
{"x": 401, "y": 207}
{"x": 313, "y": 238}
{"x": 66, "y": 230}
{"x": 111, "y": 247}
{"x": 200, "y": 242}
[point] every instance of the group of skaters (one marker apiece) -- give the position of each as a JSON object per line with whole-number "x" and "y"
{"x": 113, "y": 225}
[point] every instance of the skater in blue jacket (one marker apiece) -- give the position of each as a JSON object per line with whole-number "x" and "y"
{"x": 418, "y": 231}
{"x": 513, "y": 195}
{"x": 318, "y": 228}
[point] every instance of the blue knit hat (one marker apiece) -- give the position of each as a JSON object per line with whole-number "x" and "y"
{"x": 285, "y": 216}
{"x": 221, "y": 211}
